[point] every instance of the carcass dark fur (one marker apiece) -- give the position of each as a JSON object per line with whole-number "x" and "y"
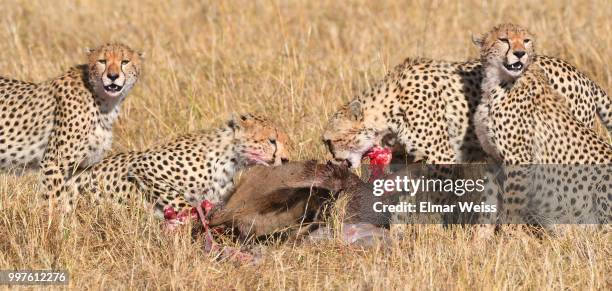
{"x": 272, "y": 199}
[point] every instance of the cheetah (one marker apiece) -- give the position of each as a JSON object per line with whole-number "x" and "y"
{"x": 185, "y": 171}
{"x": 523, "y": 121}
{"x": 429, "y": 107}
{"x": 66, "y": 122}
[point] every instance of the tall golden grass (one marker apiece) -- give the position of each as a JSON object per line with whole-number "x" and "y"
{"x": 295, "y": 61}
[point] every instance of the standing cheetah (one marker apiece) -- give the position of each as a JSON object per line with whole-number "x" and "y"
{"x": 430, "y": 105}
{"x": 66, "y": 122}
{"x": 523, "y": 121}
{"x": 185, "y": 171}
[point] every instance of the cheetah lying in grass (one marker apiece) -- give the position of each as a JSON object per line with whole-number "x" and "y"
{"x": 184, "y": 172}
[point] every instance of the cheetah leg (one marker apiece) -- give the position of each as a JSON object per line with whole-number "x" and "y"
{"x": 488, "y": 223}
{"x": 51, "y": 182}
{"x": 63, "y": 153}
{"x": 515, "y": 196}
{"x": 57, "y": 194}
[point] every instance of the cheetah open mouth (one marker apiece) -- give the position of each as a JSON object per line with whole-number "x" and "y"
{"x": 113, "y": 88}
{"x": 515, "y": 67}
{"x": 378, "y": 155}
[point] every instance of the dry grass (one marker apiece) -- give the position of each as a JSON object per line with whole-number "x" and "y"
{"x": 294, "y": 61}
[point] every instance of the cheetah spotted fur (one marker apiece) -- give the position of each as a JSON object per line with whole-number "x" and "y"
{"x": 430, "y": 105}
{"x": 522, "y": 121}
{"x": 185, "y": 171}
{"x": 65, "y": 123}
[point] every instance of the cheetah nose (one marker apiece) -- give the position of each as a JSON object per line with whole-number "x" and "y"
{"x": 519, "y": 54}
{"x": 112, "y": 76}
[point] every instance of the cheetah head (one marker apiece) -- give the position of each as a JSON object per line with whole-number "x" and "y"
{"x": 113, "y": 70}
{"x": 351, "y": 133}
{"x": 259, "y": 140}
{"x": 508, "y": 49}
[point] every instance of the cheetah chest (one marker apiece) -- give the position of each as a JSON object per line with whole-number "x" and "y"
{"x": 99, "y": 140}
{"x": 484, "y": 127}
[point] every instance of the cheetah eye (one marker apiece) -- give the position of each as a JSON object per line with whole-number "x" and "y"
{"x": 526, "y": 40}
{"x": 102, "y": 62}
{"x": 503, "y": 39}
{"x": 125, "y": 62}
{"x": 272, "y": 140}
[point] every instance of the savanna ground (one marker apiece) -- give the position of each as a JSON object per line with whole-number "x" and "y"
{"x": 295, "y": 61}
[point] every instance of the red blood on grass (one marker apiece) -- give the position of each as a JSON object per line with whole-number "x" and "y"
{"x": 169, "y": 213}
{"x": 207, "y": 205}
{"x": 184, "y": 215}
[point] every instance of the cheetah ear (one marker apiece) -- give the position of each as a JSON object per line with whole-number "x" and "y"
{"x": 246, "y": 120}
{"x": 240, "y": 120}
{"x": 478, "y": 40}
{"x": 355, "y": 107}
{"x": 232, "y": 122}
{"x": 245, "y": 117}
